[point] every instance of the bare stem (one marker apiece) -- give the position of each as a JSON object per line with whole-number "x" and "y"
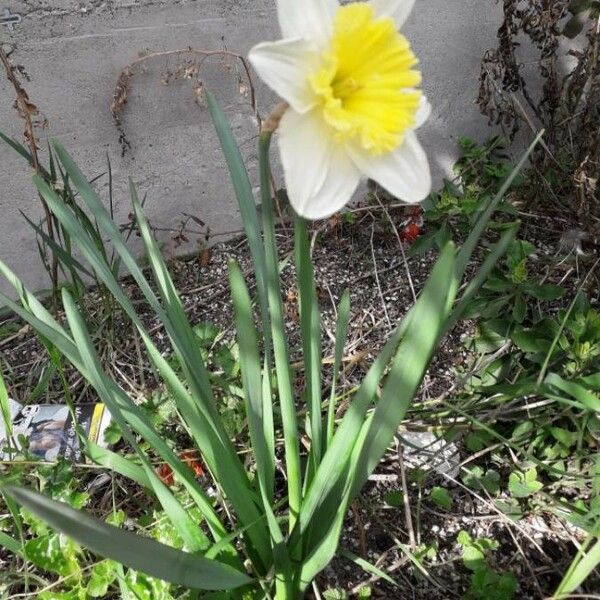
{"x": 26, "y": 111}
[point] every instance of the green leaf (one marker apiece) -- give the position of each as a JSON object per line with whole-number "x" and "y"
{"x": 395, "y": 499}
{"x": 463, "y": 538}
{"x": 441, "y": 497}
{"x": 358, "y": 445}
{"x": 21, "y": 150}
{"x": 477, "y": 479}
{"x": 524, "y": 485}
{"x": 278, "y": 333}
{"x": 75, "y": 594}
{"x": 529, "y": 341}
{"x": 581, "y": 568}
{"x": 473, "y": 558}
{"x": 497, "y": 284}
{"x": 117, "y": 463}
{"x": 310, "y": 327}
{"x": 587, "y": 399}
{"x": 472, "y": 477}
{"x": 129, "y": 549}
{"x": 189, "y": 531}
{"x": 565, "y": 437}
{"x": 443, "y": 236}
{"x": 247, "y": 205}
{"x": 592, "y": 381}
{"x": 368, "y": 567}
{"x": 491, "y": 482}
{"x": 510, "y": 508}
{"x": 546, "y": 292}
{"x": 519, "y": 309}
{"x": 522, "y": 430}
{"x": 10, "y": 544}
{"x": 411, "y": 361}
{"x": 251, "y": 378}
{"x": 65, "y": 258}
{"x": 5, "y": 410}
{"x": 477, "y": 230}
{"x": 478, "y": 440}
{"x": 466, "y": 301}
{"x": 101, "y": 578}
{"x": 54, "y": 553}
{"x": 199, "y": 404}
{"x": 341, "y": 333}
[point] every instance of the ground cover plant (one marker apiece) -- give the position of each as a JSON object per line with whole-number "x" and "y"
{"x": 251, "y": 460}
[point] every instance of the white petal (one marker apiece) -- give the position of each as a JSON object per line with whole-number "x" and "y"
{"x": 423, "y": 112}
{"x": 285, "y": 66}
{"x": 404, "y": 173}
{"x": 399, "y": 10}
{"x": 308, "y": 19}
{"x": 320, "y": 177}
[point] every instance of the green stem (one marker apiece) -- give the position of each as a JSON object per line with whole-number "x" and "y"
{"x": 280, "y": 350}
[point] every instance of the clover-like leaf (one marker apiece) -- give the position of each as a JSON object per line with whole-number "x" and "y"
{"x": 524, "y": 485}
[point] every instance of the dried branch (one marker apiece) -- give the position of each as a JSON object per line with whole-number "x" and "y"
{"x": 568, "y": 108}
{"x": 28, "y": 111}
{"x": 189, "y": 69}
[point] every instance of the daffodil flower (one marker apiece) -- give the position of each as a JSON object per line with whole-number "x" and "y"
{"x": 350, "y": 81}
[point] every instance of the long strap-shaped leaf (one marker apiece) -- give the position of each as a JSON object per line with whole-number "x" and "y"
{"x": 251, "y": 368}
{"x": 96, "y": 257}
{"x": 280, "y": 349}
{"x": 253, "y": 395}
{"x": 363, "y": 463}
{"x": 199, "y": 375}
{"x": 10, "y": 544}
{"x": 224, "y": 462}
{"x": 410, "y": 363}
{"x": 117, "y": 463}
{"x": 310, "y": 327}
{"x": 139, "y": 553}
{"x": 217, "y": 446}
{"x": 352, "y": 421}
{"x": 252, "y": 226}
{"x": 585, "y": 399}
{"x": 341, "y": 333}
{"x": 187, "y": 528}
{"x": 467, "y": 249}
{"x": 408, "y": 368}
{"x": 498, "y": 250}
{"x": 5, "y": 410}
{"x": 247, "y": 204}
{"x": 584, "y": 563}
{"x": 51, "y": 331}
{"x": 42, "y": 322}
{"x": 336, "y": 458}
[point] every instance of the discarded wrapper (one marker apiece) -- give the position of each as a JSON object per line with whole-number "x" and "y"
{"x": 49, "y": 430}
{"x": 423, "y": 450}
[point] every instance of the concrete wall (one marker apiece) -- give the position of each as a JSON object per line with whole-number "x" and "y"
{"x": 73, "y": 51}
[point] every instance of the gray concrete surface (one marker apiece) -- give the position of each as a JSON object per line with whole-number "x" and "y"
{"x": 73, "y": 51}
